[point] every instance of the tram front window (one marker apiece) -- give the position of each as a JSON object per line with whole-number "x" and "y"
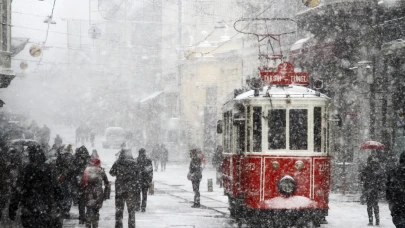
{"x": 298, "y": 129}
{"x": 277, "y": 133}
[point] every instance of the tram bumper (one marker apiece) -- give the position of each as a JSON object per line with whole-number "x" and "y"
{"x": 287, "y": 211}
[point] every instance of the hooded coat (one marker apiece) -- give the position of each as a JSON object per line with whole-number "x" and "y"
{"x": 64, "y": 164}
{"x": 395, "y": 188}
{"x": 37, "y": 192}
{"x": 80, "y": 161}
{"x": 92, "y": 182}
{"x": 126, "y": 171}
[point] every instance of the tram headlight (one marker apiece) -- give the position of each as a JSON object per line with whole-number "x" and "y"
{"x": 275, "y": 164}
{"x": 299, "y": 165}
{"x": 287, "y": 185}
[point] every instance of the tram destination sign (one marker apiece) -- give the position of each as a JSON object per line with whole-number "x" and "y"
{"x": 284, "y": 75}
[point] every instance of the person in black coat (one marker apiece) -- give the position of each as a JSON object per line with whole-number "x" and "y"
{"x": 65, "y": 168}
{"x": 395, "y": 192}
{"x": 145, "y": 179}
{"x": 195, "y": 176}
{"x": 37, "y": 192}
{"x": 80, "y": 161}
{"x": 126, "y": 170}
{"x": 372, "y": 178}
{"x": 217, "y": 163}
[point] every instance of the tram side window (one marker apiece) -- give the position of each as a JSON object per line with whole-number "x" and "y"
{"x": 226, "y": 133}
{"x": 240, "y": 136}
{"x": 317, "y": 129}
{"x": 257, "y": 129}
{"x": 277, "y": 133}
{"x": 298, "y": 129}
{"x": 248, "y": 129}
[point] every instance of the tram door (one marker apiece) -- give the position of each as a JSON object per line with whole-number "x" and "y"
{"x": 239, "y": 145}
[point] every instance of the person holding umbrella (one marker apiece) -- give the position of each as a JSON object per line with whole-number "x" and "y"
{"x": 372, "y": 179}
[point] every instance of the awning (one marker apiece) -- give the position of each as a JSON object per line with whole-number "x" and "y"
{"x": 18, "y": 44}
{"x": 5, "y": 79}
{"x": 151, "y": 97}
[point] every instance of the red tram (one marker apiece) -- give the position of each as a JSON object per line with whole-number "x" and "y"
{"x": 276, "y": 168}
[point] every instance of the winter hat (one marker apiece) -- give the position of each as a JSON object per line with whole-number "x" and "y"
{"x": 95, "y": 162}
{"x": 126, "y": 154}
{"x": 142, "y": 151}
{"x": 402, "y": 158}
{"x": 94, "y": 154}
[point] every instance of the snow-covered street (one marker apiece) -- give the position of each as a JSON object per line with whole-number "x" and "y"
{"x": 170, "y": 206}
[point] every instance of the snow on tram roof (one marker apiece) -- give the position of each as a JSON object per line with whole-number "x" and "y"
{"x": 282, "y": 91}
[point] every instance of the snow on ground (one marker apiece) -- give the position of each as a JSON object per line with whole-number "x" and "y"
{"x": 171, "y": 204}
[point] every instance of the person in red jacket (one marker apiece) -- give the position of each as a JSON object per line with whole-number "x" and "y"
{"x": 92, "y": 181}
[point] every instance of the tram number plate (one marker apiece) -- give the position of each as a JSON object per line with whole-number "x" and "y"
{"x": 250, "y": 166}
{"x": 323, "y": 167}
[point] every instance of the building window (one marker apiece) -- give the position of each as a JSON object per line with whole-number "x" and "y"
{"x": 277, "y": 131}
{"x": 298, "y": 129}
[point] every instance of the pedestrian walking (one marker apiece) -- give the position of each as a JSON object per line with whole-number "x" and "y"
{"x": 217, "y": 163}
{"x": 64, "y": 166}
{"x": 195, "y": 175}
{"x": 164, "y": 157}
{"x": 126, "y": 171}
{"x": 38, "y": 192}
{"x": 155, "y": 156}
{"x": 10, "y": 168}
{"x": 372, "y": 179}
{"x": 81, "y": 160}
{"x": 395, "y": 192}
{"x": 58, "y": 141}
{"x": 93, "y": 178}
{"x": 145, "y": 179}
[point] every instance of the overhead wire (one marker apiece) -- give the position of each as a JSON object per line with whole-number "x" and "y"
{"x": 271, "y": 3}
{"x": 47, "y": 32}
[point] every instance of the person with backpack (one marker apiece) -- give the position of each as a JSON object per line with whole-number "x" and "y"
{"x": 92, "y": 182}
{"x": 126, "y": 171}
{"x": 195, "y": 174}
{"x": 145, "y": 179}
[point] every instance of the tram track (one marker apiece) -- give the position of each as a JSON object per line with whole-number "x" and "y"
{"x": 184, "y": 198}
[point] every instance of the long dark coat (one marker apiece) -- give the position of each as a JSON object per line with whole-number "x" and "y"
{"x": 395, "y": 191}
{"x": 126, "y": 171}
{"x": 146, "y": 171}
{"x": 38, "y": 193}
{"x": 372, "y": 179}
{"x": 195, "y": 169}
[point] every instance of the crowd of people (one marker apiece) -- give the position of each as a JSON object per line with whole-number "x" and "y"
{"x": 53, "y": 179}
{"x": 85, "y": 134}
{"x": 160, "y": 155}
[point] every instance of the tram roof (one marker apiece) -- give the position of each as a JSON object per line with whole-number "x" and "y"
{"x": 291, "y": 91}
